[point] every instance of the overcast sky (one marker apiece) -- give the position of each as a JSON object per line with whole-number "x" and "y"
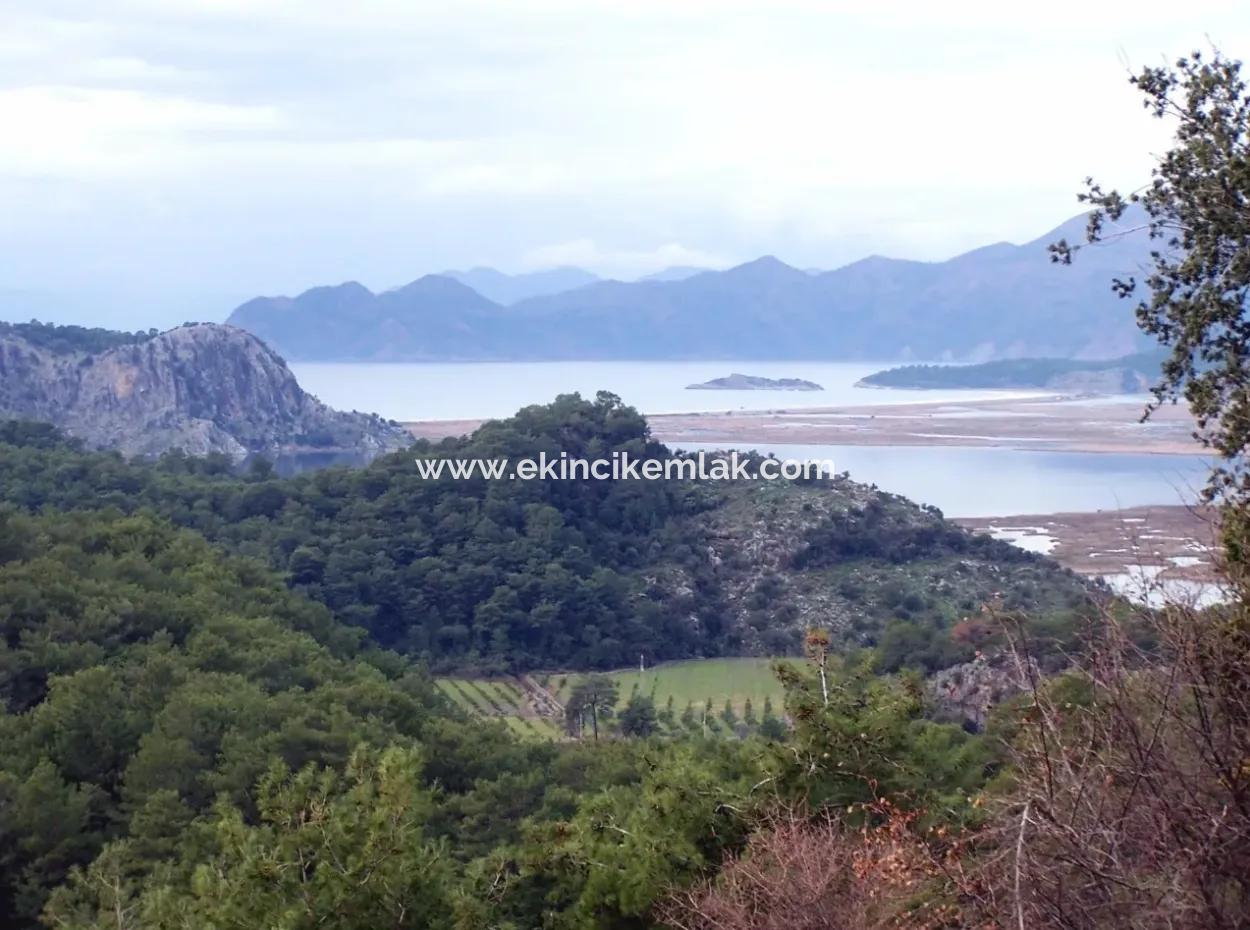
{"x": 162, "y": 160}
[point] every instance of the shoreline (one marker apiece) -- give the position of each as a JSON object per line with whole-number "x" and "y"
{"x": 1167, "y": 543}
{"x": 1054, "y": 423}
{"x": 1162, "y": 544}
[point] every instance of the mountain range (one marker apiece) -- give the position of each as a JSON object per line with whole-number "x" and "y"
{"x": 999, "y": 301}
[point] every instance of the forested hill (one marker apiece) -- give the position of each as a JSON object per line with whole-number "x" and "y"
{"x": 1130, "y": 374}
{"x": 494, "y": 575}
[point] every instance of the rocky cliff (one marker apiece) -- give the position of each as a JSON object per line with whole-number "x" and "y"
{"x": 201, "y": 388}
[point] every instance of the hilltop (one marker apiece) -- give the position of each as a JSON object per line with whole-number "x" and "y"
{"x": 492, "y": 576}
{"x": 200, "y": 388}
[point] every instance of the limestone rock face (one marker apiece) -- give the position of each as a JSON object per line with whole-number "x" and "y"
{"x": 201, "y": 388}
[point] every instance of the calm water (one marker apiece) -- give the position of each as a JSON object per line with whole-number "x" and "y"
{"x": 1001, "y": 482}
{"x": 963, "y": 482}
{"x": 457, "y": 391}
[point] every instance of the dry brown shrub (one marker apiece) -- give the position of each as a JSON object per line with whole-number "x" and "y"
{"x": 805, "y": 872}
{"x": 1129, "y": 806}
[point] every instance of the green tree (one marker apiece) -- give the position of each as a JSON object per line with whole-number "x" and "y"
{"x": 771, "y": 727}
{"x": 595, "y": 695}
{"x": 688, "y": 718}
{"x": 331, "y": 850}
{"x": 639, "y": 718}
{"x": 667, "y": 714}
{"x": 1198, "y": 283}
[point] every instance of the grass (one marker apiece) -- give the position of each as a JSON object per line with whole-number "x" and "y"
{"x": 498, "y": 699}
{"x": 693, "y": 681}
{"x": 696, "y": 680}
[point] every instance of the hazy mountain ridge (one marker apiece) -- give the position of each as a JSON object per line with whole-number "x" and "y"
{"x": 432, "y": 317}
{"x": 200, "y": 388}
{"x": 998, "y": 301}
{"x": 507, "y": 289}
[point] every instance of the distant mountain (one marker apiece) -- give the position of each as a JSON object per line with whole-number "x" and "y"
{"x": 675, "y": 273}
{"x": 509, "y": 288}
{"x": 200, "y": 388}
{"x": 1000, "y": 301}
{"x": 433, "y": 317}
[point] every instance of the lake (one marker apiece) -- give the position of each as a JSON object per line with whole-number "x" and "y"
{"x": 468, "y": 390}
{"x": 963, "y": 482}
{"x": 989, "y": 482}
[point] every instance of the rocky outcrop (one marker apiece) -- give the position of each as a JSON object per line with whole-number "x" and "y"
{"x": 200, "y": 388}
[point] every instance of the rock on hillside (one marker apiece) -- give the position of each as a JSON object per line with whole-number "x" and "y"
{"x": 853, "y": 560}
{"x": 201, "y": 388}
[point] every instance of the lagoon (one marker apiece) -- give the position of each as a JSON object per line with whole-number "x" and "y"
{"x": 990, "y": 482}
{"x": 962, "y": 481}
{"x": 472, "y": 390}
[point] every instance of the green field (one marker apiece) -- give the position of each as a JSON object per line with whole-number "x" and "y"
{"x": 500, "y": 698}
{"x": 696, "y": 680}
{"x": 691, "y": 682}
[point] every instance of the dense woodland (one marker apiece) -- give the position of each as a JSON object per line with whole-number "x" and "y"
{"x": 203, "y": 726}
{"x": 517, "y": 575}
{"x": 1016, "y": 373}
{"x": 195, "y": 658}
{"x": 164, "y": 702}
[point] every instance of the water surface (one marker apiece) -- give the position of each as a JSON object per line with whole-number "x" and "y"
{"x": 472, "y": 390}
{"x": 991, "y": 482}
{"x": 963, "y": 482}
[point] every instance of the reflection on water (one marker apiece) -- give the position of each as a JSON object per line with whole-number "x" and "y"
{"x": 984, "y": 482}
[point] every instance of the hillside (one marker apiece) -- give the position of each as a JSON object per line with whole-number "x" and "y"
{"x": 201, "y": 388}
{"x": 1130, "y": 374}
{"x": 512, "y": 575}
{"x": 1000, "y": 301}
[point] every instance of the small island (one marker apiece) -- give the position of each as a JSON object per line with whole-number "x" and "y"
{"x": 739, "y": 382}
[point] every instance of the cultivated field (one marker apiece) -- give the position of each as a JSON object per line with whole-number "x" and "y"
{"x": 512, "y": 700}
{"x": 697, "y": 680}
{"x": 533, "y": 705}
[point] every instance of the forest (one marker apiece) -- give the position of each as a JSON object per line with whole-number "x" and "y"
{"x": 220, "y": 710}
{"x": 493, "y": 576}
{"x": 181, "y": 730}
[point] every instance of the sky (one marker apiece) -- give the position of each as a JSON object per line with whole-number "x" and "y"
{"x": 164, "y": 160}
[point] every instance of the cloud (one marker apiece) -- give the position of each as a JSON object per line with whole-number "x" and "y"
{"x": 268, "y": 145}
{"x": 86, "y": 132}
{"x": 619, "y": 263}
